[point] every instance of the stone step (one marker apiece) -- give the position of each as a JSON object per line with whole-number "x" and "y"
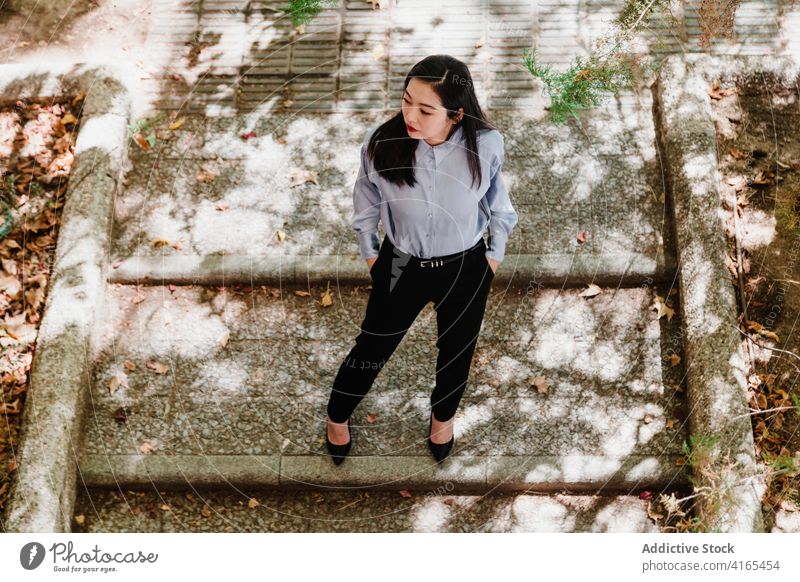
{"x": 246, "y": 378}
{"x": 351, "y": 510}
{"x": 600, "y": 176}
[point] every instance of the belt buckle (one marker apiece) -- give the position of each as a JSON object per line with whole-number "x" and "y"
{"x": 430, "y": 262}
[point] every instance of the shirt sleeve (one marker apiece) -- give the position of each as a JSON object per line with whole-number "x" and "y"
{"x": 366, "y": 207}
{"x": 503, "y": 216}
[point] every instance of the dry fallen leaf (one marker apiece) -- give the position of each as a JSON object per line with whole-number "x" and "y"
{"x": 146, "y": 447}
{"x": 372, "y": 418}
{"x": 222, "y": 205}
{"x": 117, "y": 380}
{"x": 280, "y": 235}
{"x": 662, "y": 308}
{"x": 157, "y": 367}
{"x": 176, "y": 124}
{"x": 141, "y": 141}
{"x": 738, "y": 154}
{"x": 253, "y": 503}
{"x": 301, "y": 293}
{"x": 206, "y": 173}
{"x": 674, "y": 360}
{"x": 405, "y": 493}
{"x": 760, "y": 330}
{"x": 10, "y": 285}
{"x": 582, "y": 236}
{"x": 591, "y": 291}
{"x": 159, "y": 242}
{"x": 299, "y": 176}
{"x": 716, "y": 93}
{"x": 327, "y": 298}
{"x": 541, "y": 383}
{"x": 80, "y": 519}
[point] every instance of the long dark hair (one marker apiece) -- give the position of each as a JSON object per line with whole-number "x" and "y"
{"x": 390, "y": 146}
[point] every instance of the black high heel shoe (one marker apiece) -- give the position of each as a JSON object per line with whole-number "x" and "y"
{"x": 440, "y": 451}
{"x": 338, "y": 452}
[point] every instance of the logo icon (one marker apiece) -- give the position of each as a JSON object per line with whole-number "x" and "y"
{"x": 31, "y": 555}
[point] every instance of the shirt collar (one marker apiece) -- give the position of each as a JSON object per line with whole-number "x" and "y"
{"x": 454, "y": 141}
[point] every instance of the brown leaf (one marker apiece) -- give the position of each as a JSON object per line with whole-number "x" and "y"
{"x": 372, "y": 418}
{"x": 299, "y": 176}
{"x": 301, "y": 293}
{"x": 716, "y": 93}
{"x": 252, "y": 503}
{"x": 541, "y": 383}
{"x": 591, "y": 291}
{"x": 764, "y": 178}
{"x": 582, "y": 236}
{"x": 157, "y": 367}
{"x": 327, "y": 299}
{"x": 176, "y": 124}
{"x": 662, "y": 308}
{"x": 141, "y": 141}
{"x": 405, "y": 493}
{"x": 206, "y": 174}
{"x": 738, "y": 154}
{"x": 159, "y": 242}
{"x": 117, "y": 380}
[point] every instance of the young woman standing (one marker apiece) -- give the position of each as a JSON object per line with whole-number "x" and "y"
{"x": 432, "y": 175}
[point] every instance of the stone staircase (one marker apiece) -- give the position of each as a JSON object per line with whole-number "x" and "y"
{"x": 214, "y": 366}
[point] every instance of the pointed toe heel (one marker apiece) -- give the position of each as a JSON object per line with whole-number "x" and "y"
{"x": 439, "y": 451}
{"x": 339, "y": 452}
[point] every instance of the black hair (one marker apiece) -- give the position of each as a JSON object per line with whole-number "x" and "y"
{"x": 452, "y": 82}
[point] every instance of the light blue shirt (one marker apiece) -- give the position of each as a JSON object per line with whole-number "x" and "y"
{"x": 444, "y": 213}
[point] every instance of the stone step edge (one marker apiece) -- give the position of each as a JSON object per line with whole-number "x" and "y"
{"x": 473, "y": 474}
{"x": 544, "y": 269}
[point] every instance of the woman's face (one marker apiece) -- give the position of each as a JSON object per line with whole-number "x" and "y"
{"x": 424, "y": 114}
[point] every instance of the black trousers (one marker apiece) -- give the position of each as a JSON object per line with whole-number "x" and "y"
{"x": 401, "y": 287}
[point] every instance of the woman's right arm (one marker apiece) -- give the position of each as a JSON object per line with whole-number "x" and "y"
{"x": 366, "y": 210}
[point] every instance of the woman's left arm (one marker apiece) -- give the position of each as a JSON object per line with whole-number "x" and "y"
{"x": 504, "y": 217}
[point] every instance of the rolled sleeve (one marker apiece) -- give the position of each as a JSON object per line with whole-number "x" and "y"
{"x": 503, "y": 216}
{"x": 366, "y": 208}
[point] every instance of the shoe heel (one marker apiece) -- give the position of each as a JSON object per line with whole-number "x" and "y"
{"x": 339, "y": 452}
{"x": 439, "y": 451}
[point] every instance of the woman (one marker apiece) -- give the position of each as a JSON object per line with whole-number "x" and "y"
{"x": 432, "y": 175}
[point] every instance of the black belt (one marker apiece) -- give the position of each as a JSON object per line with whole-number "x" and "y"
{"x": 439, "y": 261}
